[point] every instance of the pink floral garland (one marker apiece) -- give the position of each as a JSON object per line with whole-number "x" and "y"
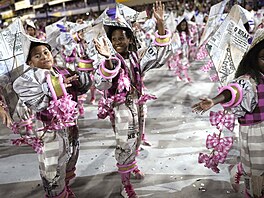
{"x": 207, "y": 67}
{"x": 64, "y": 112}
{"x": 220, "y": 146}
{"x": 35, "y": 142}
{"x": 105, "y": 105}
{"x": 202, "y": 53}
{"x": 214, "y": 78}
{"x": 123, "y": 82}
{"x": 144, "y": 98}
{"x": 104, "y": 108}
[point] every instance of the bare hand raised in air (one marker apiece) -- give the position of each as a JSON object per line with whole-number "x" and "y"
{"x": 159, "y": 10}
{"x": 102, "y": 48}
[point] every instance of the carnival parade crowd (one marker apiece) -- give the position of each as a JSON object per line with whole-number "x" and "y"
{"x": 110, "y": 56}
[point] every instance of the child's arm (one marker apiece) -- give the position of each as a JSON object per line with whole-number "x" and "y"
{"x": 79, "y": 82}
{"x": 158, "y": 10}
{"x": 108, "y": 69}
{"x": 157, "y": 55}
{"x": 207, "y": 103}
{"x": 4, "y": 113}
{"x": 105, "y": 51}
{"x": 240, "y": 96}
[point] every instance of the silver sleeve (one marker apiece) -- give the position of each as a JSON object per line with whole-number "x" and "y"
{"x": 32, "y": 90}
{"x": 250, "y": 98}
{"x": 155, "y": 57}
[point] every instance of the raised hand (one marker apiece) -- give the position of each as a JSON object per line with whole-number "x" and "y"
{"x": 204, "y": 105}
{"x": 102, "y": 48}
{"x": 159, "y": 10}
{"x": 67, "y": 81}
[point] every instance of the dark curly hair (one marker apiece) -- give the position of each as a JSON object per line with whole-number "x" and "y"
{"x": 129, "y": 34}
{"x": 249, "y": 63}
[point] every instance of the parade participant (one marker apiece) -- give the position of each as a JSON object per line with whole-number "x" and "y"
{"x": 50, "y": 93}
{"x": 74, "y": 55}
{"x": 179, "y": 62}
{"x": 120, "y": 76}
{"x": 31, "y": 30}
{"x": 81, "y": 52}
{"x": 183, "y": 63}
{"x": 243, "y": 97}
{"x": 4, "y": 114}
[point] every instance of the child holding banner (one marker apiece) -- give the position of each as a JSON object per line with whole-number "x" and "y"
{"x": 46, "y": 90}
{"x": 244, "y": 98}
{"x": 121, "y": 78}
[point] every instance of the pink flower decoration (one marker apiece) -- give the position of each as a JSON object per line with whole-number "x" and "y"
{"x": 23, "y": 125}
{"x": 144, "y": 98}
{"x": 15, "y": 128}
{"x": 34, "y": 142}
{"x": 202, "y": 53}
{"x": 119, "y": 98}
{"x": 212, "y": 141}
{"x": 64, "y": 112}
{"x": 207, "y": 67}
{"x": 220, "y": 120}
{"x": 220, "y": 146}
{"x": 210, "y": 161}
{"x": 123, "y": 82}
{"x": 105, "y": 108}
{"x": 214, "y": 78}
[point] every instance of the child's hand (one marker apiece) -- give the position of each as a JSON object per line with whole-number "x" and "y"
{"x": 158, "y": 10}
{"x": 67, "y": 81}
{"x": 5, "y": 117}
{"x": 81, "y": 35}
{"x": 102, "y": 48}
{"x": 204, "y": 105}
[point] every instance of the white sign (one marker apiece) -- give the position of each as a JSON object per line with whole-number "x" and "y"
{"x": 11, "y": 60}
{"x": 22, "y": 4}
{"x": 228, "y": 44}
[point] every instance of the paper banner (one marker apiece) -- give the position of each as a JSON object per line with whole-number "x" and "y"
{"x": 11, "y": 61}
{"x": 214, "y": 20}
{"x": 228, "y": 44}
{"x": 130, "y": 14}
{"x": 52, "y": 33}
{"x": 96, "y": 32}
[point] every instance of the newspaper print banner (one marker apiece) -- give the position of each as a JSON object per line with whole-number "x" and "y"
{"x": 52, "y": 33}
{"x": 11, "y": 61}
{"x": 214, "y": 20}
{"x": 227, "y": 45}
{"x": 96, "y": 32}
{"x": 129, "y": 14}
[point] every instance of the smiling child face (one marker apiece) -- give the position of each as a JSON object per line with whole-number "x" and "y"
{"x": 120, "y": 41}
{"x": 41, "y": 57}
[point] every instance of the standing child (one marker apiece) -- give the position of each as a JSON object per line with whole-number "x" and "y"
{"x": 120, "y": 76}
{"x": 50, "y": 93}
{"x": 182, "y": 55}
{"x": 244, "y": 97}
